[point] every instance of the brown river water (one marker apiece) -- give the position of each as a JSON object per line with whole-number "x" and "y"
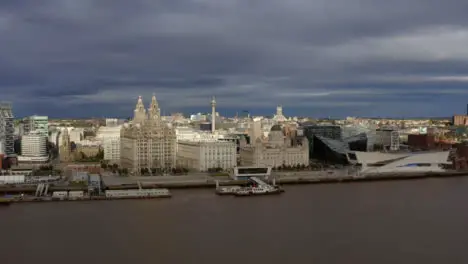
{"x": 418, "y": 221}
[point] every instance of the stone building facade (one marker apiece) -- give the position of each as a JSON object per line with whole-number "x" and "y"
{"x": 206, "y": 154}
{"x": 146, "y": 142}
{"x": 275, "y": 151}
{"x": 65, "y": 147}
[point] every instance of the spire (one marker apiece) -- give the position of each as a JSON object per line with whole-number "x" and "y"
{"x": 140, "y": 112}
{"x": 154, "y": 102}
{"x": 213, "y": 101}
{"x": 139, "y": 106}
{"x": 153, "y": 110}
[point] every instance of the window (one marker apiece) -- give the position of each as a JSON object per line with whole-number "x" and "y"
{"x": 252, "y": 170}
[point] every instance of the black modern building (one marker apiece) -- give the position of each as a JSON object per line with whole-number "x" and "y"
{"x": 326, "y": 143}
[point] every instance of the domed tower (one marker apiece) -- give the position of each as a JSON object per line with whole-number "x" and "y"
{"x": 139, "y": 114}
{"x": 154, "y": 112}
{"x": 276, "y": 136}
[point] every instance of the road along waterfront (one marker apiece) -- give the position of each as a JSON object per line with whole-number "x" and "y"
{"x": 189, "y": 182}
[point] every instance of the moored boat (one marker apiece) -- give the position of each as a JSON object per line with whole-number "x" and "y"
{"x": 228, "y": 190}
{"x": 262, "y": 190}
{"x": 243, "y": 192}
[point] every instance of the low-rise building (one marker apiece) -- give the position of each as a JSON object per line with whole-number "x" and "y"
{"x": 460, "y": 120}
{"x": 206, "y": 154}
{"x": 87, "y": 148}
{"x": 388, "y": 139}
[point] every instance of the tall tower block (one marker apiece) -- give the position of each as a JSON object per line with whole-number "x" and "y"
{"x": 213, "y": 114}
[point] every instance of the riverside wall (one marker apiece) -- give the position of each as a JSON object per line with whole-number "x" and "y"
{"x": 302, "y": 178}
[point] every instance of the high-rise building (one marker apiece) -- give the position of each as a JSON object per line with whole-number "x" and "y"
{"x": 36, "y": 123}
{"x": 147, "y": 143}
{"x": 34, "y": 145}
{"x": 7, "y": 128}
{"x": 65, "y": 147}
{"x": 110, "y": 137}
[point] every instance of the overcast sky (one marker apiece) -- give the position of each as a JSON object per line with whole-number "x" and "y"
{"x": 315, "y": 57}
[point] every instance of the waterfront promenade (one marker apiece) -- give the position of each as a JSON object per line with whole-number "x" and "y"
{"x": 207, "y": 181}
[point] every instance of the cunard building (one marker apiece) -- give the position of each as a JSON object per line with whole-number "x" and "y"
{"x": 147, "y": 144}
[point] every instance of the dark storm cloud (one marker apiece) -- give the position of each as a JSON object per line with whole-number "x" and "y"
{"x": 327, "y": 57}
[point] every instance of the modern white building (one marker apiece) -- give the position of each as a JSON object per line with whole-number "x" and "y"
{"x": 206, "y": 154}
{"x": 377, "y": 163}
{"x": 198, "y": 117}
{"x": 110, "y": 138}
{"x": 33, "y": 147}
{"x": 39, "y": 124}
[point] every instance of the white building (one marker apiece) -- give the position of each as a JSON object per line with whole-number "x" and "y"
{"x": 198, "y": 117}
{"x": 39, "y": 124}
{"x": 112, "y": 122}
{"x": 33, "y": 147}
{"x": 378, "y": 163}
{"x": 110, "y": 138}
{"x": 205, "y": 154}
{"x": 12, "y": 179}
{"x": 76, "y": 134}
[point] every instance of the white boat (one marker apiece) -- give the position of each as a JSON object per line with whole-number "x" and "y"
{"x": 243, "y": 192}
{"x": 227, "y": 190}
{"x": 260, "y": 190}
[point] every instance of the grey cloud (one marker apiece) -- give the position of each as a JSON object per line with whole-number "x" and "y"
{"x": 244, "y": 52}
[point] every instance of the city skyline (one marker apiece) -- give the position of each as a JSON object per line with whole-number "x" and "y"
{"x": 316, "y": 58}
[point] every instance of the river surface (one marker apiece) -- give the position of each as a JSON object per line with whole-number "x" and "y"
{"x": 420, "y": 221}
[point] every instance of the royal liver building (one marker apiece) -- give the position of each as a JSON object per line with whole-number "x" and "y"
{"x": 147, "y": 144}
